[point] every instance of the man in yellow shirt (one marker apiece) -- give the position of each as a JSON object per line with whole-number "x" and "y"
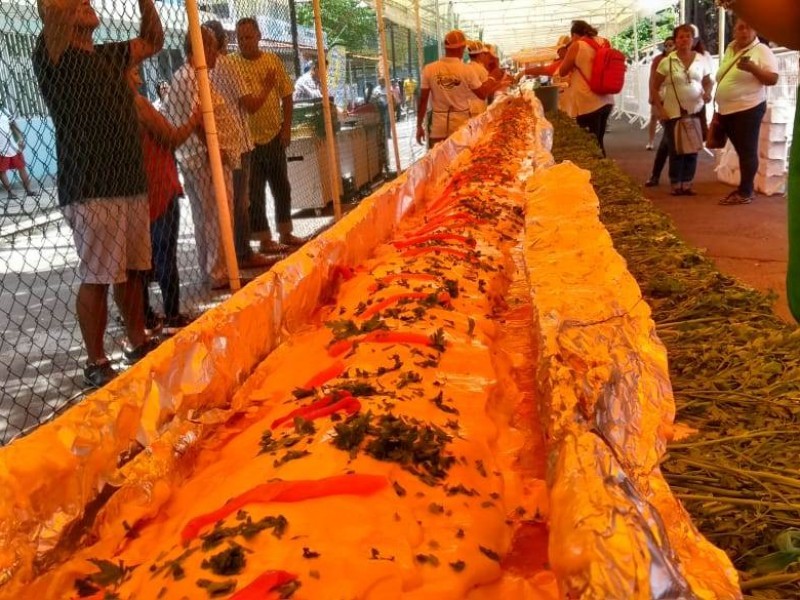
{"x": 409, "y": 87}
{"x": 271, "y": 127}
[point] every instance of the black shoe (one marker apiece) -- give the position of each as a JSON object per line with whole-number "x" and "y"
{"x": 651, "y": 183}
{"x": 175, "y": 324}
{"x": 288, "y": 239}
{"x": 96, "y": 376}
{"x": 153, "y": 323}
{"x": 134, "y": 355}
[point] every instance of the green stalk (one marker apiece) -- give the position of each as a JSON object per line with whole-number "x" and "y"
{"x": 738, "y": 501}
{"x": 769, "y": 581}
{"x": 722, "y": 440}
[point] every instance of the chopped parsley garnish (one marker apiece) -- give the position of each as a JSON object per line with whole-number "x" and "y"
{"x": 247, "y": 529}
{"x": 109, "y": 575}
{"x": 481, "y": 468}
{"x": 452, "y": 424}
{"x": 300, "y": 393}
{"x": 399, "y": 489}
{"x": 376, "y": 555}
{"x": 304, "y": 427}
{"x": 357, "y": 389}
{"x": 438, "y": 400}
{"x": 343, "y": 329}
{"x": 214, "y": 589}
{"x": 289, "y": 456}
{"x": 407, "y": 378}
{"x": 461, "y": 489}
{"x": 458, "y": 566}
{"x": 452, "y": 287}
{"x": 288, "y": 589}
{"x": 418, "y": 447}
{"x": 435, "y": 509}
{"x": 427, "y": 559}
{"x": 490, "y": 554}
{"x": 308, "y": 553}
{"x": 228, "y": 562}
{"x": 437, "y": 340}
{"x": 471, "y": 326}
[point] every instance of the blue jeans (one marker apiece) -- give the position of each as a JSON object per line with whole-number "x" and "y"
{"x": 682, "y": 167}
{"x": 743, "y": 129}
{"x": 661, "y": 157}
{"x": 164, "y": 236}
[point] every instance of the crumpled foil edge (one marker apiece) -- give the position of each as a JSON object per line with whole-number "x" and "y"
{"x": 608, "y": 410}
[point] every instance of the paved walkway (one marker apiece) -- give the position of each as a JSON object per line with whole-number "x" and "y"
{"x": 748, "y": 242}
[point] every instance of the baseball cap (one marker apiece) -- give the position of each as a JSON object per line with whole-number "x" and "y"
{"x": 455, "y": 39}
{"x": 475, "y": 47}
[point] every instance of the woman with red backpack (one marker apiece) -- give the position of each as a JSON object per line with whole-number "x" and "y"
{"x": 596, "y": 73}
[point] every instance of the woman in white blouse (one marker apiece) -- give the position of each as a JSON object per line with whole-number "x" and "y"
{"x": 687, "y": 83}
{"x": 747, "y": 68}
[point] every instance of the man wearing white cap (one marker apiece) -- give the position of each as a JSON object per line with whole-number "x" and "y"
{"x": 451, "y": 85}
{"x": 477, "y": 62}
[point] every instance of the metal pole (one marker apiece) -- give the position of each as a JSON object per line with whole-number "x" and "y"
{"x": 420, "y": 41}
{"x": 214, "y": 157}
{"x": 636, "y": 37}
{"x": 438, "y": 30}
{"x": 387, "y": 82}
{"x": 682, "y": 12}
{"x": 298, "y": 70}
{"x": 330, "y": 139}
{"x": 394, "y": 50}
{"x": 723, "y": 23}
{"x": 408, "y": 52}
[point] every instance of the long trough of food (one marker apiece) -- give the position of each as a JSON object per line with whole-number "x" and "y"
{"x": 455, "y": 392}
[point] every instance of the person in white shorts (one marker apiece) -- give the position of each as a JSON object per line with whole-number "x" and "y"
{"x": 451, "y": 85}
{"x": 102, "y": 187}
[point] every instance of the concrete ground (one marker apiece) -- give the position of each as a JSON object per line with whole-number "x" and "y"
{"x": 748, "y": 242}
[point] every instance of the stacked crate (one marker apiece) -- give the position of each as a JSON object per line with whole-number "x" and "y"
{"x": 773, "y": 152}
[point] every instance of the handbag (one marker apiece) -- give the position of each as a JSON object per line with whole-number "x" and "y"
{"x": 688, "y": 135}
{"x": 688, "y": 131}
{"x": 716, "y": 138}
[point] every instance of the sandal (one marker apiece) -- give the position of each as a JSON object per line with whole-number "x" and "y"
{"x": 735, "y": 198}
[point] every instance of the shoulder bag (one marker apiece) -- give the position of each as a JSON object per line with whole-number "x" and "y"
{"x": 688, "y": 132}
{"x": 716, "y": 137}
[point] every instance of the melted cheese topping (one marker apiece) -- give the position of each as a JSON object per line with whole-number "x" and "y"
{"x": 471, "y": 527}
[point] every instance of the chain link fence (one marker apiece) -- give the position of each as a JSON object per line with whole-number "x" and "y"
{"x": 113, "y": 202}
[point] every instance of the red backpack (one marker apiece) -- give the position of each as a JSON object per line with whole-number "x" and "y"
{"x": 608, "y": 69}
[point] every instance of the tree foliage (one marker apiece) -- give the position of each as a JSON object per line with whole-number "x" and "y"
{"x": 665, "y": 22}
{"x": 348, "y": 23}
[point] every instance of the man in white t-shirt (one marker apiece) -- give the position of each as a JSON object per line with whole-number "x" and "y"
{"x": 450, "y": 85}
{"x": 477, "y": 62}
{"x": 12, "y": 143}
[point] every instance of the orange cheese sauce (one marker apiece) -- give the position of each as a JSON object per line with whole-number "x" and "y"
{"x": 464, "y": 516}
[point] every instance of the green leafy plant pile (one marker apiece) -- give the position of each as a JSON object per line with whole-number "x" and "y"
{"x": 735, "y": 370}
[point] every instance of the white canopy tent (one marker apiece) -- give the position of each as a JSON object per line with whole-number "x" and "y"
{"x": 517, "y": 24}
